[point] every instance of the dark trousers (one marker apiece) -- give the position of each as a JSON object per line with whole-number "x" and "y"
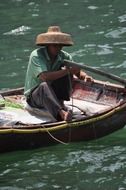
{"x": 50, "y": 96}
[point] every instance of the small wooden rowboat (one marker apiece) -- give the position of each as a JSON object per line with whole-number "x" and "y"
{"x": 99, "y": 109}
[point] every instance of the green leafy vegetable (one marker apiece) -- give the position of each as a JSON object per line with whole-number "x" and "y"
{"x": 8, "y": 103}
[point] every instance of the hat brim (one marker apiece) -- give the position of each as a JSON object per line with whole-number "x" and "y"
{"x": 54, "y": 38}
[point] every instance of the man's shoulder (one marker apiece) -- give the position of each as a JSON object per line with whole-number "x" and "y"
{"x": 37, "y": 52}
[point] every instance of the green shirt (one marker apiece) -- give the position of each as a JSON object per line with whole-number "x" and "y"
{"x": 39, "y": 62}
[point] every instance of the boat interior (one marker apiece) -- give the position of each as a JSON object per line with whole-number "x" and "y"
{"x": 86, "y": 100}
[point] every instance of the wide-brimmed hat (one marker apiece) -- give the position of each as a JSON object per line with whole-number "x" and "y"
{"x": 54, "y": 36}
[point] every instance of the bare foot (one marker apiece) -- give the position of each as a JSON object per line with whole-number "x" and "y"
{"x": 64, "y": 107}
{"x": 65, "y": 115}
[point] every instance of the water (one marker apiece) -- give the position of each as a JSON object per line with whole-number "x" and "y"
{"x": 98, "y": 29}
{"x": 94, "y": 165}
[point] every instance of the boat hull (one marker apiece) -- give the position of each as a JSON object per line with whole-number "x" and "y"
{"x": 90, "y": 129}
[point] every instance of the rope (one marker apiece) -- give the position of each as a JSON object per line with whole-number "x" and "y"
{"x": 54, "y": 137}
{"x": 71, "y": 88}
{"x": 78, "y": 108}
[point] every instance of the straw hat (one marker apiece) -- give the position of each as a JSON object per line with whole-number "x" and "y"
{"x": 54, "y": 36}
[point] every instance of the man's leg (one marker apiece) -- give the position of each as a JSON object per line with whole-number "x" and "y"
{"x": 62, "y": 88}
{"x": 43, "y": 96}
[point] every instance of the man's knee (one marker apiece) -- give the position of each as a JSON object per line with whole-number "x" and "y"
{"x": 44, "y": 87}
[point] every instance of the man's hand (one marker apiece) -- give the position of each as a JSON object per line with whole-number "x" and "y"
{"x": 74, "y": 70}
{"x": 85, "y": 77}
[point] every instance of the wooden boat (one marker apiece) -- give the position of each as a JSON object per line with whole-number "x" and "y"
{"x": 100, "y": 110}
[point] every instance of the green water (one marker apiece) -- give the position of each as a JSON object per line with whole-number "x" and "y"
{"x": 94, "y": 165}
{"x": 98, "y": 28}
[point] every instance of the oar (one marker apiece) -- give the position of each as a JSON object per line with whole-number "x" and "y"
{"x": 97, "y": 71}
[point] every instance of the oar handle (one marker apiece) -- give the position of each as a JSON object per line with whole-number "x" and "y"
{"x": 97, "y": 71}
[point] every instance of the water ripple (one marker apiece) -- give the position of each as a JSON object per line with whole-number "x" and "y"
{"x": 122, "y": 18}
{"x": 116, "y": 33}
{"x": 21, "y": 30}
{"x": 104, "y": 49}
{"x": 92, "y": 7}
{"x": 122, "y": 65}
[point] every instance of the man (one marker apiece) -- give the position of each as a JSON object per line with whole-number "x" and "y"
{"x": 47, "y": 82}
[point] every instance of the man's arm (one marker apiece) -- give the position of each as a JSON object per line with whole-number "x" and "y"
{"x": 53, "y": 75}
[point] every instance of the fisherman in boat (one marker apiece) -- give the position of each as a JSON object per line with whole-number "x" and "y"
{"x": 48, "y": 81}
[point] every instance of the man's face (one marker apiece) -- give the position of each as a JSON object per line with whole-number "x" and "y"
{"x": 54, "y": 49}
